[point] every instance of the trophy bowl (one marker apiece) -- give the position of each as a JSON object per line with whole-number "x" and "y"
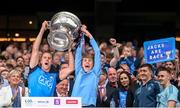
{"x": 64, "y": 28}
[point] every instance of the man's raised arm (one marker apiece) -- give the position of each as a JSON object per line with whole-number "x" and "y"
{"x": 35, "y": 49}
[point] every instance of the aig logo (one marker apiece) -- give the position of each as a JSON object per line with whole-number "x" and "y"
{"x": 28, "y": 101}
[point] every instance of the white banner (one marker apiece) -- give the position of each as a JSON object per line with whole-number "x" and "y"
{"x": 51, "y": 102}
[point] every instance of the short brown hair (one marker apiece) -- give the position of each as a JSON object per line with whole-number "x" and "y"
{"x": 164, "y": 69}
{"x": 87, "y": 55}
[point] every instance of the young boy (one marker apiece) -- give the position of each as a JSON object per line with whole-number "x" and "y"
{"x": 87, "y": 72}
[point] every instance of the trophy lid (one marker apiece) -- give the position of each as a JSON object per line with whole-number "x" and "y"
{"x": 66, "y": 19}
{"x": 64, "y": 27}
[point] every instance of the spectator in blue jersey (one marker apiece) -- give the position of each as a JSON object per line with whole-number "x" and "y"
{"x": 87, "y": 72}
{"x": 145, "y": 95}
{"x": 41, "y": 81}
{"x": 168, "y": 97}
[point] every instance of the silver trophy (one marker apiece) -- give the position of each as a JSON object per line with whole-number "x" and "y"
{"x": 64, "y": 29}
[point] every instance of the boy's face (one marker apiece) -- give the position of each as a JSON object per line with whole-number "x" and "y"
{"x": 87, "y": 64}
{"x": 127, "y": 51}
{"x": 62, "y": 87}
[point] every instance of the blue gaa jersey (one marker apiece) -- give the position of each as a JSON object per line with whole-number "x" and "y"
{"x": 122, "y": 97}
{"x": 167, "y": 94}
{"x": 41, "y": 83}
{"x": 85, "y": 85}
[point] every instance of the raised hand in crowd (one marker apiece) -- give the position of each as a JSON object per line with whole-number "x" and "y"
{"x": 113, "y": 41}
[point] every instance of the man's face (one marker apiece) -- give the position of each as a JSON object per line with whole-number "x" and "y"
{"x": 102, "y": 78}
{"x": 20, "y": 62}
{"x": 103, "y": 59}
{"x": 2, "y": 68}
{"x": 56, "y": 59}
{"x": 63, "y": 66}
{"x": 45, "y": 48}
{"x": 26, "y": 59}
{"x": 46, "y": 61}
{"x": 169, "y": 65}
{"x": 5, "y": 74}
{"x": 62, "y": 88}
{"x": 87, "y": 64}
{"x": 112, "y": 75}
{"x": 10, "y": 49}
{"x": 2, "y": 63}
{"x": 66, "y": 57}
{"x": 144, "y": 74}
{"x": 163, "y": 77}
